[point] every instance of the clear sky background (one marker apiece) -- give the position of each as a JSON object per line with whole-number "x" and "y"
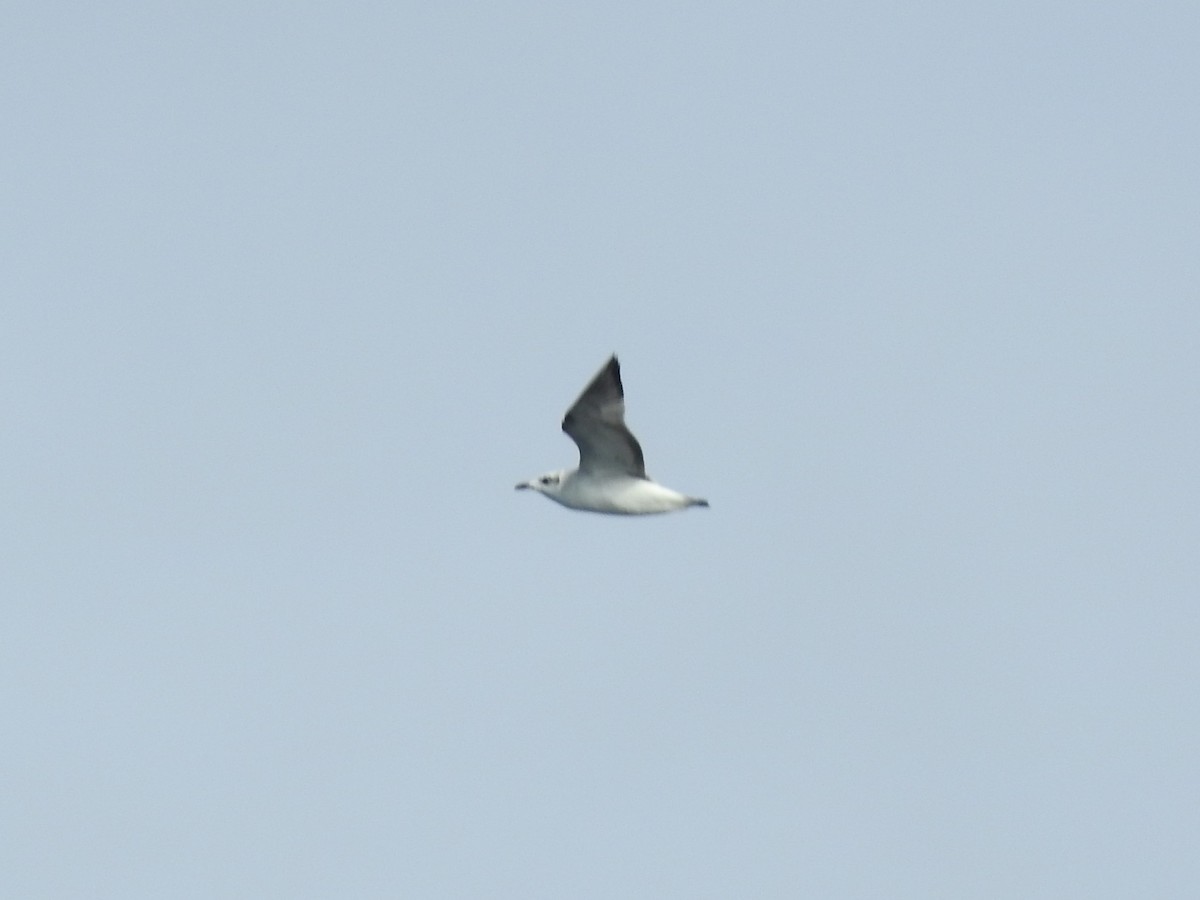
{"x": 294, "y": 294}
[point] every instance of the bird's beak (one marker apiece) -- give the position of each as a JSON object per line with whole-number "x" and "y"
{"x": 523, "y": 486}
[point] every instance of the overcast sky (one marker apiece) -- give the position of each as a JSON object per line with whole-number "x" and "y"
{"x": 294, "y": 294}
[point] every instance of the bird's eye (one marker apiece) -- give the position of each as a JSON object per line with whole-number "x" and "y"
{"x": 545, "y": 479}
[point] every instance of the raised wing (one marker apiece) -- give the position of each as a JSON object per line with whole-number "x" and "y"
{"x": 596, "y": 423}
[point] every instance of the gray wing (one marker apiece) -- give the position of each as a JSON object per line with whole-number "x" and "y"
{"x": 596, "y": 423}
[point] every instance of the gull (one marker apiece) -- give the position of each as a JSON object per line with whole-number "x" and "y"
{"x": 611, "y": 477}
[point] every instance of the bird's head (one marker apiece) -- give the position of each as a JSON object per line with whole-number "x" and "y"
{"x": 549, "y": 484}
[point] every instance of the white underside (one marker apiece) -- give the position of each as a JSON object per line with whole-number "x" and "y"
{"x": 618, "y": 494}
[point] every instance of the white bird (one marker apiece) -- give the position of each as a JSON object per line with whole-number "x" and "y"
{"x": 611, "y": 477}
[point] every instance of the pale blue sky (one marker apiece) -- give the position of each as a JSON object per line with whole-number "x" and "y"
{"x": 295, "y": 293}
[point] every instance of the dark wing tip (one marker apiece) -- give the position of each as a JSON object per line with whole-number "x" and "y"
{"x": 598, "y": 393}
{"x": 614, "y": 368}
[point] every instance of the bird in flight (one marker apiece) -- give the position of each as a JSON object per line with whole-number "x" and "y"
{"x": 611, "y": 477}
